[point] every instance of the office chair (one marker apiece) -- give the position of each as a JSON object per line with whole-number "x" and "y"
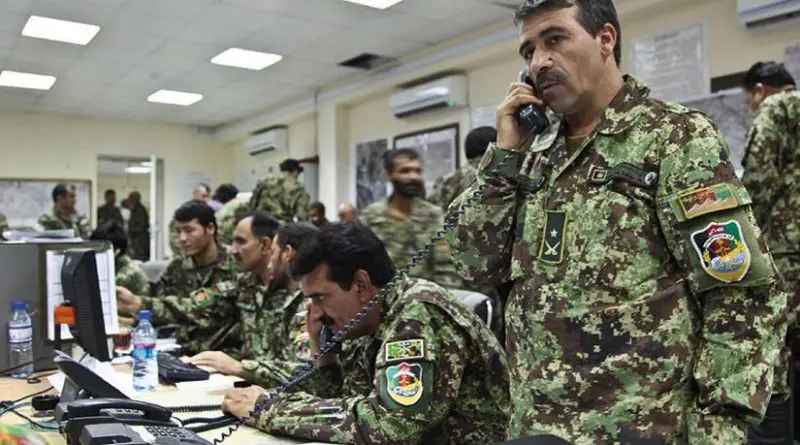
{"x": 478, "y": 302}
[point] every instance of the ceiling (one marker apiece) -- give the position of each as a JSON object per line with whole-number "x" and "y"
{"x": 147, "y": 45}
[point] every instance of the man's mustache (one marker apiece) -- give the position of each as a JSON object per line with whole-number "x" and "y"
{"x": 548, "y": 77}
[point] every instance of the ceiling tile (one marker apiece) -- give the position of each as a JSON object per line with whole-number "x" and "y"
{"x": 236, "y": 17}
{"x": 394, "y": 24}
{"x": 17, "y": 6}
{"x": 11, "y": 28}
{"x": 111, "y": 39}
{"x": 200, "y": 32}
{"x": 137, "y": 24}
{"x": 31, "y": 63}
{"x": 185, "y": 10}
{"x": 85, "y": 11}
{"x": 301, "y": 30}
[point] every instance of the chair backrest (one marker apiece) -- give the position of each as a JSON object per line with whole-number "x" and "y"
{"x": 154, "y": 269}
{"x": 478, "y": 302}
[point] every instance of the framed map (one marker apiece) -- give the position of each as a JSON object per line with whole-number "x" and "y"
{"x": 23, "y": 201}
{"x": 438, "y": 148}
{"x": 370, "y": 185}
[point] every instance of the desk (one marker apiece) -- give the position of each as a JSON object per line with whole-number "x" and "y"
{"x": 12, "y": 389}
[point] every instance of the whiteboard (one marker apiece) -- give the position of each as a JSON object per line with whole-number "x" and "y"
{"x": 23, "y": 201}
{"x": 673, "y": 64}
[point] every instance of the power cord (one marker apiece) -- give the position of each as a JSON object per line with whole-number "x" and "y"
{"x": 13, "y": 410}
{"x": 302, "y": 374}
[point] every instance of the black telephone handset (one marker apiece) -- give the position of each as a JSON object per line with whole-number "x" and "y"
{"x": 326, "y": 336}
{"x": 531, "y": 116}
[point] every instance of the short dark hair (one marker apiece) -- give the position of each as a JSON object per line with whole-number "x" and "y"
{"x": 345, "y": 248}
{"x": 771, "y": 74}
{"x": 263, "y": 224}
{"x": 316, "y": 205}
{"x": 593, "y": 14}
{"x": 110, "y": 191}
{"x": 391, "y": 155}
{"x": 114, "y": 232}
{"x": 205, "y": 186}
{"x": 296, "y": 234}
{"x": 225, "y": 193}
{"x": 196, "y": 209}
{"x": 478, "y": 141}
{"x": 59, "y": 190}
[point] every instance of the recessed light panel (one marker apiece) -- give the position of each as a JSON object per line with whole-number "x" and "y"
{"x": 16, "y": 79}
{"x": 59, "y": 30}
{"x": 377, "y": 4}
{"x": 244, "y": 58}
{"x": 174, "y": 98}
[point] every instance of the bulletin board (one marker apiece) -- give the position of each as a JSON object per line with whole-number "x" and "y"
{"x": 438, "y": 148}
{"x": 23, "y": 201}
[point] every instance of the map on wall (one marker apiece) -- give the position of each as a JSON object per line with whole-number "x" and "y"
{"x": 438, "y": 148}
{"x": 730, "y": 112}
{"x": 23, "y": 201}
{"x": 370, "y": 185}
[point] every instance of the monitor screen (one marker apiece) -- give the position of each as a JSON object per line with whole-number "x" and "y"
{"x": 81, "y": 287}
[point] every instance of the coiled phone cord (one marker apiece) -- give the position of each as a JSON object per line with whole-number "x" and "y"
{"x": 304, "y": 373}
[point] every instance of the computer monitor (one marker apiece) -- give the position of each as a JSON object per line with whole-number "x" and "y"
{"x": 81, "y": 287}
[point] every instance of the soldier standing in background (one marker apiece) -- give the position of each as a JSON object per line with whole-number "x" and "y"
{"x": 227, "y": 218}
{"x": 63, "y": 216}
{"x": 128, "y": 273}
{"x": 348, "y": 213}
{"x": 139, "y": 227}
{"x": 772, "y": 176}
{"x": 316, "y": 214}
{"x": 405, "y": 222}
{"x": 284, "y": 197}
{"x": 448, "y": 187}
{"x": 109, "y": 211}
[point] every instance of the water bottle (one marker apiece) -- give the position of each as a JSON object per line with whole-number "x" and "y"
{"x": 20, "y": 340}
{"x": 145, "y": 364}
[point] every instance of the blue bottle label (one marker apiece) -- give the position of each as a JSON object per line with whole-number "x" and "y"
{"x": 20, "y": 334}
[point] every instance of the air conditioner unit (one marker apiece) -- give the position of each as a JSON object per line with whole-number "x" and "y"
{"x": 761, "y": 15}
{"x": 447, "y": 92}
{"x": 271, "y": 139}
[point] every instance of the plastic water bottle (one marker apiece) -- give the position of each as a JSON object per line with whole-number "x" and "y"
{"x": 20, "y": 340}
{"x": 145, "y": 363}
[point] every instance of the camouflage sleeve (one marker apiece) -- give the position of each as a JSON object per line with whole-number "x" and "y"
{"x": 705, "y": 215}
{"x": 255, "y": 197}
{"x": 416, "y": 380}
{"x": 45, "y": 223}
{"x": 445, "y": 272}
{"x": 767, "y": 139}
{"x": 301, "y": 206}
{"x": 481, "y": 243}
{"x": 268, "y": 373}
{"x": 201, "y": 308}
{"x": 134, "y": 279}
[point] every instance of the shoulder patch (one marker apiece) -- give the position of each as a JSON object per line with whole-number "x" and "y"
{"x": 404, "y": 383}
{"x": 200, "y": 296}
{"x": 404, "y": 350}
{"x": 707, "y": 200}
{"x": 723, "y": 252}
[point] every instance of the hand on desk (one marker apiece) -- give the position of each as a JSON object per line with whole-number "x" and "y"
{"x": 240, "y": 401}
{"x": 128, "y": 302}
{"x": 217, "y": 360}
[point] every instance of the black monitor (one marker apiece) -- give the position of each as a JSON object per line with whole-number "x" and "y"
{"x": 81, "y": 288}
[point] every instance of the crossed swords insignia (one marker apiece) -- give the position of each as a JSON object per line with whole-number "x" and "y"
{"x": 551, "y": 250}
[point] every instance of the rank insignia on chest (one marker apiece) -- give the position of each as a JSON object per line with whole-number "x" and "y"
{"x": 552, "y": 248}
{"x": 404, "y": 383}
{"x": 404, "y": 350}
{"x": 706, "y": 200}
{"x": 723, "y": 252}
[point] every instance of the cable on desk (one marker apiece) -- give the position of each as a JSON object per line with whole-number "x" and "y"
{"x": 33, "y": 395}
{"x": 13, "y": 410}
{"x": 38, "y": 379}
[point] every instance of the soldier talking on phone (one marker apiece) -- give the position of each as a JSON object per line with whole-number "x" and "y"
{"x": 644, "y": 306}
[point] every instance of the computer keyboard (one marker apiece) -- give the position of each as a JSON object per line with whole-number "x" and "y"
{"x": 171, "y": 369}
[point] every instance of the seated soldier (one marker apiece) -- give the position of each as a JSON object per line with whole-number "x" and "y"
{"x": 204, "y": 264}
{"x": 128, "y": 273}
{"x": 438, "y": 374}
{"x": 266, "y": 301}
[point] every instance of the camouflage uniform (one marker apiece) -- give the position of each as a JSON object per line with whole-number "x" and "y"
{"x": 57, "y": 221}
{"x": 281, "y": 196}
{"x": 644, "y": 303}
{"x": 404, "y": 238}
{"x": 109, "y": 212}
{"x": 3, "y": 225}
{"x": 129, "y": 274}
{"x": 226, "y": 219}
{"x": 438, "y": 377}
{"x": 772, "y": 175}
{"x": 173, "y": 305}
{"x": 448, "y": 187}
{"x": 174, "y": 239}
{"x": 139, "y": 233}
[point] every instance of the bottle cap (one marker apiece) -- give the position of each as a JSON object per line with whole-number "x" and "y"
{"x": 19, "y": 305}
{"x": 144, "y": 314}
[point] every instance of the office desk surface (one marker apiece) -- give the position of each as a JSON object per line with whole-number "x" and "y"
{"x": 13, "y": 389}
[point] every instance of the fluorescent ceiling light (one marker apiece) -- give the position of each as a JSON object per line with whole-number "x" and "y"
{"x": 377, "y": 4}
{"x": 146, "y": 164}
{"x": 137, "y": 170}
{"x": 174, "y": 97}
{"x": 17, "y": 79}
{"x": 59, "y": 30}
{"x": 244, "y": 58}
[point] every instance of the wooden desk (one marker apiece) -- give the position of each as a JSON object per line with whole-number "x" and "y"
{"x": 13, "y": 389}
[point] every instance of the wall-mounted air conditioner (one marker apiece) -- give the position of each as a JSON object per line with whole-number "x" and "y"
{"x": 447, "y": 92}
{"x": 762, "y": 15}
{"x": 271, "y": 139}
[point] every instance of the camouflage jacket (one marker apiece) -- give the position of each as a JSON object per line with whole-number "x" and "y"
{"x": 438, "y": 377}
{"x": 139, "y": 233}
{"x": 281, "y": 196}
{"x": 129, "y": 274}
{"x": 772, "y": 170}
{"x": 226, "y": 220}
{"x": 448, "y": 187}
{"x": 57, "y": 221}
{"x": 173, "y": 305}
{"x": 107, "y": 213}
{"x": 3, "y": 225}
{"x": 644, "y": 298}
{"x": 404, "y": 238}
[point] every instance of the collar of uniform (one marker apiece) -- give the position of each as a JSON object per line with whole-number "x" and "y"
{"x": 393, "y": 297}
{"x": 66, "y": 217}
{"x": 475, "y": 162}
{"x": 224, "y": 260}
{"x": 625, "y": 108}
{"x": 293, "y": 297}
